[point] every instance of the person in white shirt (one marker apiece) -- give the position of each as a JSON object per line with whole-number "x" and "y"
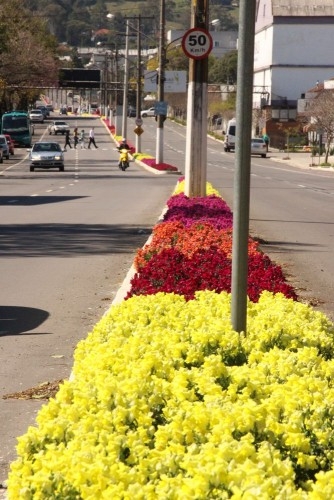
{"x": 91, "y": 138}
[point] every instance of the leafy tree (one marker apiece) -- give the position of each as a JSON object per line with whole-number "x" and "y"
{"x": 224, "y": 70}
{"x": 28, "y": 55}
{"x": 176, "y": 59}
{"x": 321, "y": 116}
{"x": 226, "y": 15}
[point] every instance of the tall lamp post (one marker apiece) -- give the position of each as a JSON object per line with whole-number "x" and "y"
{"x": 126, "y": 81}
{"x": 161, "y": 82}
{"x": 138, "y": 104}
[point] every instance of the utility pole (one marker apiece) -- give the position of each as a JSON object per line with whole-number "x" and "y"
{"x": 126, "y": 81}
{"x": 139, "y": 75}
{"x": 161, "y": 83}
{"x": 196, "y": 139}
{"x": 115, "y": 58}
{"x": 242, "y": 164}
{"x": 138, "y": 104}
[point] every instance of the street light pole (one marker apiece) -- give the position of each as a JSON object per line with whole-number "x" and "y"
{"x": 161, "y": 83}
{"x": 138, "y": 104}
{"x": 126, "y": 81}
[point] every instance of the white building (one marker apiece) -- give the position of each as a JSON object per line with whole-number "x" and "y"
{"x": 293, "y": 50}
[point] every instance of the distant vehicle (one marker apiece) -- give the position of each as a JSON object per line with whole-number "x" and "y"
{"x": 10, "y": 142}
{"x": 18, "y": 125}
{"x": 50, "y": 107}
{"x": 94, "y": 109}
{"x": 132, "y": 112}
{"x": 44, "y": 110}
{"x": 63, "y": 110}
{"x": 147, "y": 112}
{"x": 58, "y": 127}
{"x": 258, "y": 147}
{"x": 4, "y": 146}
{"x": 229, "y": 142}
{"x": 46, "y": 155}
{"x": 36, "y": 116}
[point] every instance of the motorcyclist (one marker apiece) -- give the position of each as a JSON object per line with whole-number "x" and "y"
{"x": 123, "y": 145}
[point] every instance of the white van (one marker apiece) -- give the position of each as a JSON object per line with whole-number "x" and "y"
{"x": 229, "y": 142}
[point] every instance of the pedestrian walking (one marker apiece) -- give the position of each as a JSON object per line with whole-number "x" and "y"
{"x": 67, "y": 140}
{"x": 75, "y": 137}
{"x": 265, "y": 137}
{"x": 92, "y": 138}
{"x": 82, "y": 139}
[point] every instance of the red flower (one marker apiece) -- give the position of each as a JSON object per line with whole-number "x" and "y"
{"x": 172, "y": 272}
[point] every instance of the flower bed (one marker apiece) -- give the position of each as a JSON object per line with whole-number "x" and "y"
{"x": 150, "y": 162}
{"x": 168, "y": 402}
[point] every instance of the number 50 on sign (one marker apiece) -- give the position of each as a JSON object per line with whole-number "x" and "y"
{"x": 197, "y": 43}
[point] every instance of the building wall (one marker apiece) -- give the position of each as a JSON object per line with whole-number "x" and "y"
{"x": 264, "y": 15}
{"x": 292, "y": 52}
{"x": 303, "y": 44}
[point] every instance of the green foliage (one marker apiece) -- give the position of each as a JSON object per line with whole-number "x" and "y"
{"x": 92, "y": 16}
{"x": 224, "y": 70}
{"x": 27, "y": 55}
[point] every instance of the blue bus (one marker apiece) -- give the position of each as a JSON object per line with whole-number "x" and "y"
{"x": 17, "y": 124}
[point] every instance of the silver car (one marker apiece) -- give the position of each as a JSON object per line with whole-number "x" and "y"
{"x": 147, "y": 112}
{"x": 46, "y": 155}
{"x": 258, "y": 147}
{"x": 4, "y": 146}
{"x": 36, "y": 116}
{"x": 58, "y": 127}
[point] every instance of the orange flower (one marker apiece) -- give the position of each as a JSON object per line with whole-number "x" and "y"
{"x": 188, "y": 241}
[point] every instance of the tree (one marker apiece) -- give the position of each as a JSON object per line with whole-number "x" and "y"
{"x": 27, "y": 57}
{"x": 224, "y": 70}
{"x": 321, "y": 116}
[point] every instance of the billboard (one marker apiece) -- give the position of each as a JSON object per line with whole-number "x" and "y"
{"x": 175, "y": 81}
{"x": 78, "y": 78}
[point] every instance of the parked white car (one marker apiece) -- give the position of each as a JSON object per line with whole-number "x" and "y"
{"x": 258, "y": 147}
{"x": 147, "y": 112}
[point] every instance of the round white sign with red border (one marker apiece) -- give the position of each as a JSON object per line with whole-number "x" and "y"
{"x": 197, "y": 43}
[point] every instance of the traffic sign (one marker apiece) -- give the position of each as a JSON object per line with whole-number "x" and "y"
{"x": 197, "y": 43}
{"x": 161, "y": 108}
{"x": 139, "y": 122}
{"x": 138, "y": 131}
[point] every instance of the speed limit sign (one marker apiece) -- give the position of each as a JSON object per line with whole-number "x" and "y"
{"x": 197, "y": 43}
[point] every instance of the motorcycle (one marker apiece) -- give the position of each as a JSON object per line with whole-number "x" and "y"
{"x": 123, "y": 159}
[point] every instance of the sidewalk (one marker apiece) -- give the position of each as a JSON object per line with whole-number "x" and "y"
{"x": 300, "y": 160}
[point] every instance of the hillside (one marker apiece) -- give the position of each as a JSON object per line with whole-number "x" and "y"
{"x": 84, "y": 22}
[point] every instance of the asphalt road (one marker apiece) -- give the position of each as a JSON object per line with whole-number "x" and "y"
{"x": 68, "y": 240}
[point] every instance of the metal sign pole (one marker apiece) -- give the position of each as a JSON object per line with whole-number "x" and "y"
{"x": 126, "y": 82}
{"x": 242, "y": 164}
{"x": 161, "y": 83}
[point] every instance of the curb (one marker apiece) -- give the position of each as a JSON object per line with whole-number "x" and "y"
{"x": 140, "y": 163}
